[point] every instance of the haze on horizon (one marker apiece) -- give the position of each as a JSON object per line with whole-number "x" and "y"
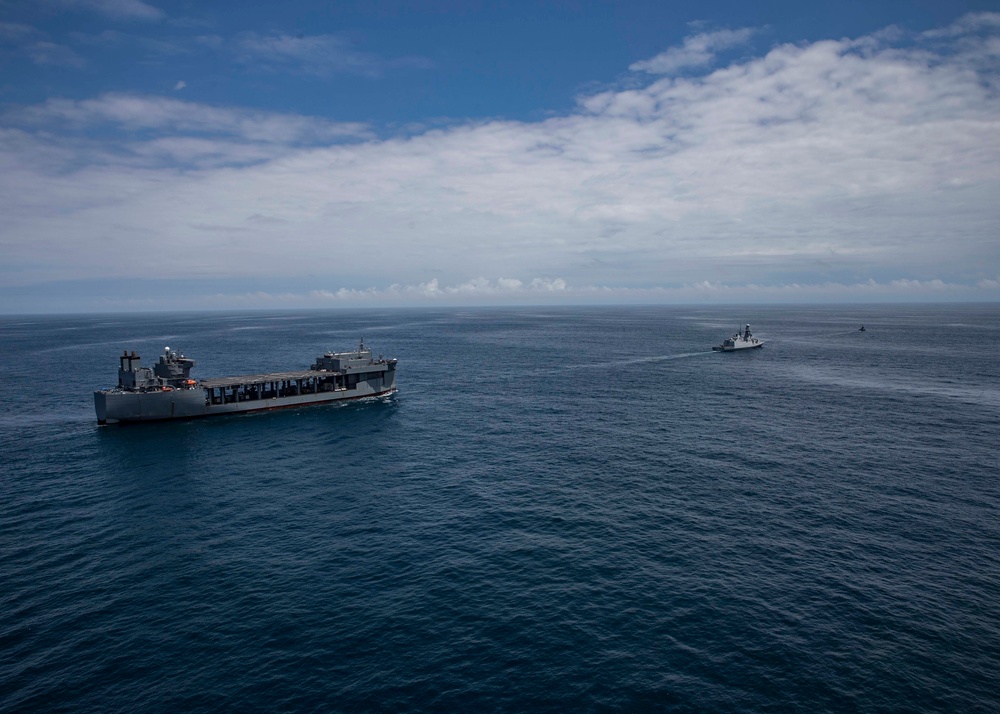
{"x": 157, "y": 156}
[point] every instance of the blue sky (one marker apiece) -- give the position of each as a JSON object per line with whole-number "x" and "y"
{"x": 303, "y": 154}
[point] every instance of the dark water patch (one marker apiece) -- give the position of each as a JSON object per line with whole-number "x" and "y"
{"x": 565, "y": 509}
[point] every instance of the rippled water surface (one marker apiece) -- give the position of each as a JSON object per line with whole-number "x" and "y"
{"x": 567, "y": 509}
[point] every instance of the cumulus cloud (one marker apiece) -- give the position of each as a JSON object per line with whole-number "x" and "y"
{"x": 813, "y": 167}
{"x": 476, "y": 287}
{"x": 433, "y": 293}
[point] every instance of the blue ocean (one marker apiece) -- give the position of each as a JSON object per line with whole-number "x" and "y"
{"x": 562, "y": 509}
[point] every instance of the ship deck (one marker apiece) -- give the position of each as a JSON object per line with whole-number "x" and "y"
{"x": 224, "y": 382}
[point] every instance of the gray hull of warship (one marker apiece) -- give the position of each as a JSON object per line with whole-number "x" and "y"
{"x": 166, "y": 390}
{"x": 740, "y": 341}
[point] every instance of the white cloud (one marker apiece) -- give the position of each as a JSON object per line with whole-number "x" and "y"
{"x": 134, "y": 112}
{"x": 509, "y": 284}
{"x": 549, "y": 285}
{"x": 475, "y": 287}
{"x": 16, "y": 32}
{"x": 429, "y": 289}
{"x": 37, "y": 46}
{"x": 315, "y": 54}
{"x": 970, "y": 23}
{"x": 812, "y": 168}
{"x": 697, "y": 51}
{"x": 52, "y": 54}
{"x": 432, "y": 293}
{"x": 117, "y": 9}
{"x": 181, "y": 84}
{"x": 151, "y": 48}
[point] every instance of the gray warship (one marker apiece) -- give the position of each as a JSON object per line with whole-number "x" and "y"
{"x": 167, "y": 391}
{"x": 740, "y": 341}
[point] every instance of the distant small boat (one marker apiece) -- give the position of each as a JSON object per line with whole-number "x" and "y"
{"x": 740, "y": 341}
{"x": 862, "y": 329}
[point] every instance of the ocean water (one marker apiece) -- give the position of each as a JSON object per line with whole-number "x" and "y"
{"x": 562, "y": 509}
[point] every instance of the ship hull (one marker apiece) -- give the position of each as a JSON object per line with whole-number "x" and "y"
{"x": 737, "y": 347}
{"x": 132, "y": 407}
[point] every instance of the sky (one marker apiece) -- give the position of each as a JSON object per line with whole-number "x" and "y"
{"x": 223, "y": 155}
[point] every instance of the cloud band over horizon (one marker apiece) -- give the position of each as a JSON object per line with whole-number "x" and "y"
{"x": 813, "y": 170}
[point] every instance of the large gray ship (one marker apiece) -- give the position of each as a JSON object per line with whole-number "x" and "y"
{"x": 167, "y": 391}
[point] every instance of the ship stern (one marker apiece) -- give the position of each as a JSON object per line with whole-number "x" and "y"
{"x": 390, "y": 375}
{"x": 101, "y": 407}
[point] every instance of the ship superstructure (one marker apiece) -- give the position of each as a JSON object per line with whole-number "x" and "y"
{"x": 742, "y": 340}
{"x": 167, "y": 391}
